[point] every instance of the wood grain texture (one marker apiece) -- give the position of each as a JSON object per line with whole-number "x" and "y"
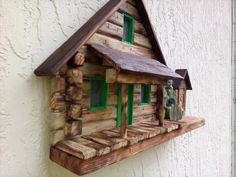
{"x": 64, "y": 53}
{"x": 81, "y": 167}
{"x": 133, "y": 63}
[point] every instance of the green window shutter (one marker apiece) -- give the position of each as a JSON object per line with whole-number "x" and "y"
{"x": 128, "y": 29}
{"x": 130, "y": 104}
{"x": 98, "y": 93}
{"x": 145, "y": 94}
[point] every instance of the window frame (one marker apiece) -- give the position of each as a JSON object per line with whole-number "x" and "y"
{"x": 147, "y": 95}
{"x": 130, "y": 29}
{"x": 103, "y": 92}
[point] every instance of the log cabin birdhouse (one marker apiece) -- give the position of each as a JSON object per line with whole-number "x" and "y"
{"x": 181, "y": 86}
{"x": 104, "y": 84}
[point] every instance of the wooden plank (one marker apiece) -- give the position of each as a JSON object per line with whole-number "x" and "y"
{"x": 119, "y": 45}
{"x": 65, "y": 52}
{"x": 118, "y": 19}
{"x": 98, "y": 115}
{"x": 132, "y": 2}
{"x": 100, "y": 148}
{"x": 123, "y": 126}
{"x": 129, "y": 9}
{"x": 77, "y": 149}
{"x": 90, "y": 69}
{"x": 150, "y": 31}
{"x": 113, "y": 143}
{"x": 97, "y": 126}
{"x": 144, "y": 110}
{"x": 118, "y": 142}
{"x": 112, "y": 30}
{"x": 82, "y": 167}
{"x": 138, "y": 79}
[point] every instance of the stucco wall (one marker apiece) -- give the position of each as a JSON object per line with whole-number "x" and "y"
{"x": 193, "y": 34}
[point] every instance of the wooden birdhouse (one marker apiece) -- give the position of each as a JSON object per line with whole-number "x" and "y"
{"x": 108, "y": 93}
{"x": 181, "y": 86}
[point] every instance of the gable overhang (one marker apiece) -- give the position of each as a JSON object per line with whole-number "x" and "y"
{"x": 64, "y": 53}
{"x": 186, "y": 78}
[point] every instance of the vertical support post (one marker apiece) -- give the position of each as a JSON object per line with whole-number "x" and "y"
{"x": 162, "y": 104}
{"x": 123, "y": 126}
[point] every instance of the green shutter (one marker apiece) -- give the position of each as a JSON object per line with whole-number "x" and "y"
{"x": 130, "y": 104}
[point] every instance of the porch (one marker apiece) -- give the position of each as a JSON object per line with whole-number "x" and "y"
{"x": 83, "y": 154}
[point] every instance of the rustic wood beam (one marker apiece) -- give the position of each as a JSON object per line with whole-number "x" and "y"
{"x": 113, "y": 76}
{"x": 82, "y": 167}
{"x": 161, "y": 108}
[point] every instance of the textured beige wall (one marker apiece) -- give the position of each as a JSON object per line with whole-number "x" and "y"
{"x": 194, "y": 34}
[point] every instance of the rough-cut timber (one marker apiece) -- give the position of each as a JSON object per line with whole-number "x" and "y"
{"x": 127, "y": 62}
{"x": 151, "y": 134}
{"x": 66, "y": 51}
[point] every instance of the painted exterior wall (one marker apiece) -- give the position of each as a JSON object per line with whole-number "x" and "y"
{"x": 193, "y": 34}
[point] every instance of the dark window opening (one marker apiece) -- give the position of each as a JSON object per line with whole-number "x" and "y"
{"x": 98, "y": 93}
{"x": 128, "y": 29}
{"x": 145, "y": 94}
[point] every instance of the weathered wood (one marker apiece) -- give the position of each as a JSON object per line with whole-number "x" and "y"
{"x": 118, "y": 19}
{"x": 74, "y": 111}
{"x": 97, "y": 126}
{"x": 100, "y": 148}
{"x": 119, "y": 45}
{"x": 150, "y": 31}
{"x": 111, "y": 75}
{"x": 115, "y": 31}
{"x": 144, "y": 110}
{"x": 77, "y": 149}
{"x": 79, "y": 59}
{"x": 132, "y": 2}
{"x": 123, "y": 126}
{"x": 82, "y": 167}
{"x": 74, "y": 77}
{"x": 57, "y": 102}
{"x": 74, "y": 94}
{"x": 98, "y": 115}
{"x": 129, "y": 9}
{"x": 64, "y": 53}
{"x": 115, "y": 142}
{"x": 134, "y": 64}
{"x": 73, "y": 128}
{"x": 162, "y": 104}
{"x": 90, "y": 69}
{"x": 138, "y": 79}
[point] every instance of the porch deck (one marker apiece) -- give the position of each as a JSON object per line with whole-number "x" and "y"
{"x": 84, "y": 154}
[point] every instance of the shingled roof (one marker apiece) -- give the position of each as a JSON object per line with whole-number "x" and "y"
{"x": 127, "y": 62}
{"x": 185, "y": 75}
{"x": 65, "y": 52}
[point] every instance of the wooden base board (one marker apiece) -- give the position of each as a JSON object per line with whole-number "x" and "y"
{"x": 81, "y": 166}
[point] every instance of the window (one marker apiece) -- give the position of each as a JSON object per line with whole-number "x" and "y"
{"x": 98, "y": 93}
{"x": 145, "y": 94}
{"x": 128, "y": 29}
